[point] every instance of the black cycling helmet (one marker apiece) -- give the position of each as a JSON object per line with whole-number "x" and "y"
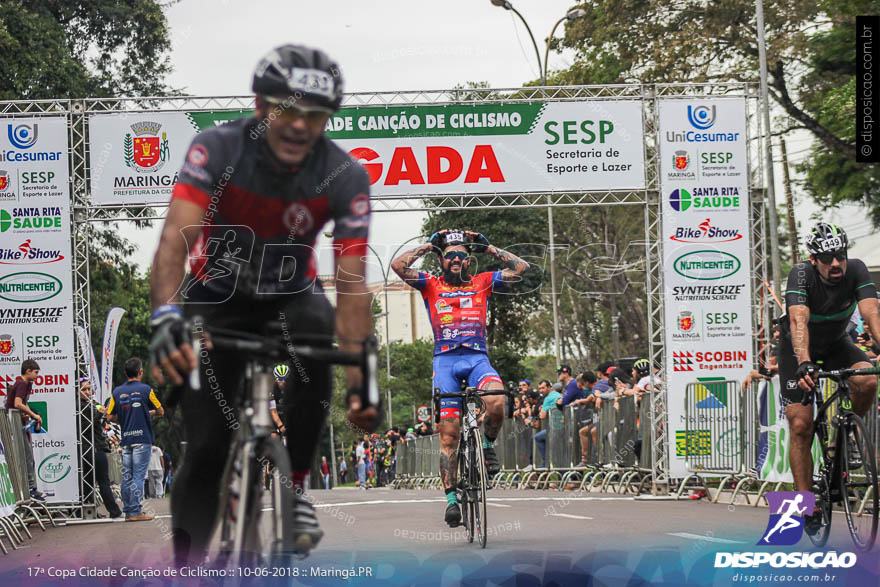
{"x": 295, "y": 70}
{"x": 826, "y": 238}
{"x": 642, "y": 367}
{"x": 453, "y": 236}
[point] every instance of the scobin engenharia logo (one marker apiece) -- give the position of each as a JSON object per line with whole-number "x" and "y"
{"x": 785, "y": 528}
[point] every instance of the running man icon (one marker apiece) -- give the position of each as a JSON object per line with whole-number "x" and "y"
{"x": 786, "y": 524}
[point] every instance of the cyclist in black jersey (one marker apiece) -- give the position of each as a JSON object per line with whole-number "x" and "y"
{"x": 820, "y": 297}
{"x": 251, "y": 199}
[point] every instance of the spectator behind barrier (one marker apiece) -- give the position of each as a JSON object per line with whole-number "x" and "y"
{"x": 16, "y": 399}
{"x": 551, "y": 396}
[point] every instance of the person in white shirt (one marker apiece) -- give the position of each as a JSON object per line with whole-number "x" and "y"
{"x": 361, "y": 453}
{"x": 156, "y": 473}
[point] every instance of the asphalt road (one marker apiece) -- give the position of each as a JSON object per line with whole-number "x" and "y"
{"x": 399, "y": 536}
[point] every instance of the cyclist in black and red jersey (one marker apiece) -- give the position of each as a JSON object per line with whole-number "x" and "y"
{"x": 251, "y": 199}
{"x": 820, "y": 297}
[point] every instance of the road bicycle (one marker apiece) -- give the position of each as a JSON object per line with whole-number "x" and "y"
{"x": 472, "y": 478}
{"x": 848, "y": 469}
{"x": 241, "y": 543}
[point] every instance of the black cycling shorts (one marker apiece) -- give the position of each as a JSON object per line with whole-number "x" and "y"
{"x": 842, "y": 354}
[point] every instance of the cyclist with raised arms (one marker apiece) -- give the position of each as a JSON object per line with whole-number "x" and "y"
{"x": 457, "y": 304}
{"x": 265, "y": 186}
{"x": 820, "y": 297}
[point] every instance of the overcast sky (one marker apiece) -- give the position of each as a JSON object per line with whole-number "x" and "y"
{"x": 380, "y": 46}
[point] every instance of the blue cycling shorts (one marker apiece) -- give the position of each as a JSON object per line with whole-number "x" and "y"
{"x": 453, "y": 367}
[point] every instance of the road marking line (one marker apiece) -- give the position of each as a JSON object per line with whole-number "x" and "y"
{"x": 499, "y": 505}
{"x": 572, "y": 516}
{"x": 704, "y": 538}
{"x": 489, "y": 500}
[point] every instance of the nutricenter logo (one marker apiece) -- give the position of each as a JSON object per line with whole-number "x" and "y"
{"x": 706, "y": 265}
{"x": 28, "y": 287}
{"x": 705, "y": 198}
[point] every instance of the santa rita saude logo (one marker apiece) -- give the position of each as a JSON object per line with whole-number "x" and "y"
{"x": 147, "y": 151}
{"x": 705, "y": 198}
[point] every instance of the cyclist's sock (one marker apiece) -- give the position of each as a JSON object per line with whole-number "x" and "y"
{"x": 488, "y": 442}
{"x": 299, "y": 478}
{"x": 450, "y": 497}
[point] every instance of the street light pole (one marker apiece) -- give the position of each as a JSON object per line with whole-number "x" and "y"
{"x": 771, "y": 186}
{"x": 542, "y": 71}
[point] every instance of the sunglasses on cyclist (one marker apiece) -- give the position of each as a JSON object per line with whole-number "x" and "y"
{"x": 291, "y": 111}
{"x": 460, "y": 255}
{"x": 827, "y": 258}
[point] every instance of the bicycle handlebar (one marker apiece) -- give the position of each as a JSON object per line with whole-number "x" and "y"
{"x": 837, "y": 375}
{"x": 271, "y": 349}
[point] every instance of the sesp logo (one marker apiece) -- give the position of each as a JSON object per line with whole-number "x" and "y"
{"x": 701, "y": 117}
{"x": 22, "y": 136}
{"x": 787, "y": 511}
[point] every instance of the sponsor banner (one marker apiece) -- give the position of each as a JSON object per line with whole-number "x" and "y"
{"x": 773, "y": 440}
{"x": 7, "y": 495}
{"x": 36, "y": 293}
{"x": 108, "y": 349}
{"x": 707, "y": 259}
{"x": 33, "y": 161}
{"x": 85, "y": 347}
{"x": 454, "y": 149}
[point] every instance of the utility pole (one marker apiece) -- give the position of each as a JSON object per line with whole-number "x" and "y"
{"x": 789, "y": 204}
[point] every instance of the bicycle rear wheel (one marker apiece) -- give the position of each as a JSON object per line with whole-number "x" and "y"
{"x": 823, "y": 502}
{"x": 478, "y": 485}
{"x": 858, "y": 482}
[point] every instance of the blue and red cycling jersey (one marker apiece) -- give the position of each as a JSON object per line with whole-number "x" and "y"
{"x": 458, "y": 318}
{"x": 458, "y": 312}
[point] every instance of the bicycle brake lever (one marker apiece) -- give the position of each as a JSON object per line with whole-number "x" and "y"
{"x": 808, "y": 396}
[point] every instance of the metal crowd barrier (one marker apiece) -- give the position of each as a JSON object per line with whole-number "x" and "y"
{"x": 614, "y": 462}
{"x": 15, "y": 499}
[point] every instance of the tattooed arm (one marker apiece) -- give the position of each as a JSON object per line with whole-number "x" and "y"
{"x": 515, "y": 266}
{"x": 401, "y": 265}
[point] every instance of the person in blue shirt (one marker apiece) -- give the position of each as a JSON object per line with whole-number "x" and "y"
{"x": 134, "y": 404}
{"x": 551, "y": 396}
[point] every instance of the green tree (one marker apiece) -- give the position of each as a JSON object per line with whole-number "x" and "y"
{"x": 810, "y": 56}
{"x": 75, "y": 49}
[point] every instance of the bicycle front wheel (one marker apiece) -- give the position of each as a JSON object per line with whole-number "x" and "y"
{"x": 478, "y": 484}
{"x": 467, "y": 511}
{"x": 823, "y": 502}
{"x": 858, "y": 482}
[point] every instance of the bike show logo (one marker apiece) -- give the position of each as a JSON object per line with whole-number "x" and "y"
{"x": 705, "y": 198}
{"x": 686, "y": 328}
{"x": 31, "y": 219}
{"x": 707, "y": 265}
{"x": 27, "y": 254}
{"x": 705, "y": 232}
{"x": 681, "y": 166}
{"x": 22, "y": 137}
{"x": 147, "y": 151}
{"x": 686, "y": 361}
{"x": 29, "y": 287}
{"x": 54, "y": 468}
